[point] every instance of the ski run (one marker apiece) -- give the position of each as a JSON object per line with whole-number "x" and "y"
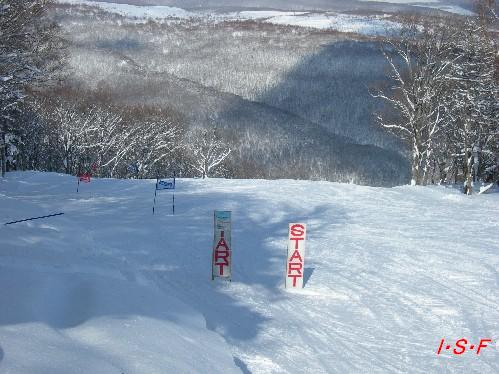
{"x": 108, "y": 287}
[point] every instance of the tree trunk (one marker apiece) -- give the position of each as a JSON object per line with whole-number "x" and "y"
{"x": 468, "y": 177}
{"x": 3, "y": 163}
{"x": 476, "y": 163}
{"x": 415, "y": 173}
{"x": 416, "y": 169}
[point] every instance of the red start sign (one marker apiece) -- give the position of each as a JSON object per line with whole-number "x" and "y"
{"x": 221, "y": 255}
{"x": 295, "y": 263}
{"x": 221, "y": 264}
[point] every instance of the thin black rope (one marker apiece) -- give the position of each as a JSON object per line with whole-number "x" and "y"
{"x": 31, "y": 219}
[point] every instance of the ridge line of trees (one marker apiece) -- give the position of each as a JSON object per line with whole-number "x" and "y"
{"x": 78, "y": 134}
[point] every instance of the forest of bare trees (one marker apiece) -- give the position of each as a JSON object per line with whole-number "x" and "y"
{"x": 73, "y": 133}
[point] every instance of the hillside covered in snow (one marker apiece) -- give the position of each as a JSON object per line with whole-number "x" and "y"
{"x": 110, "y": 288}
{"x": 453, "y": 6}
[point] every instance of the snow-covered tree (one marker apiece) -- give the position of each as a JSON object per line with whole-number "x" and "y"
{"x": 419, "y": 65}
{"x": 207, "y": 150}
{"x": 29, "y": 51}
{"x": 474, "y": 103}
{"x": 149, "y": 145}
{"x": 444, "y": 100}
{"x": 487, "y": 10}
{"x": 107, "y": 139}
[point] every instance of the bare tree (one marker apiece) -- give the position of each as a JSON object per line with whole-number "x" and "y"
{"x": 151, "y": 146}
{"x": 207, "y": 150}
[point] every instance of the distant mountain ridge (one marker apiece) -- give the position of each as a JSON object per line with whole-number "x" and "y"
{"x": 335, "y": 5}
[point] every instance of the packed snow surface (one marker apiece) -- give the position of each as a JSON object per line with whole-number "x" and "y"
{"x": 109, "y": 288}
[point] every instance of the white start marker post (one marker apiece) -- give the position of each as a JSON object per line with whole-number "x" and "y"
{"x": 221, "y": 265}
{"x": 295, "y": 263}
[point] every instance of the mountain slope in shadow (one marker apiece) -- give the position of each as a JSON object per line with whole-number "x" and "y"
{"x": 267, "y": 142}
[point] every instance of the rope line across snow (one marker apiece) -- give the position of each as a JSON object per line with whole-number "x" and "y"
{"x": 31, "y": 219}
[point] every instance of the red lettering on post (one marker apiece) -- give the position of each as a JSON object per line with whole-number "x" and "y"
{"x": 295, "y": 266}
{"x": 297, "y": 230}
{"x": 222, "y": 243}
{"x": 296, "y": 241}
{"x": 222, "y": 255}
{"x": 295, "y": 262}
{"x": 294, "y": 278}
{"x": 296, "y": 254}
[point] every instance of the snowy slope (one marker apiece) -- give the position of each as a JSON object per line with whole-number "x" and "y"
{"x": 134, "y": 11}
{"x": 452, "y": 6}
{"x": 362, "y": 24}
{"x": 447, "y": 6}
{"x": 367, "y": 25}
{"x": 72, "y": 304}
{"x": 110, "y": 288}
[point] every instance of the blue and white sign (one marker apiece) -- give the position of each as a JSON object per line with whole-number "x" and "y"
{"x": 165, "y": 184}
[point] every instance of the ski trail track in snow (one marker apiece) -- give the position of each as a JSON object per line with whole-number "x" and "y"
{"x": 392, "y": 271}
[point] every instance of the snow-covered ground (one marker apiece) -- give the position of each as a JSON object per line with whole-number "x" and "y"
{"x": 109, "y": 288}
{"x": 365, "y": 25}
{"x": 435, "y": 4}
{"x": 135, "y": 11}
{"x": 361, "y": 24}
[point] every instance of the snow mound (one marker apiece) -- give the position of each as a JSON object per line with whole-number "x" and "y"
{"x": 82, "y": 322}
